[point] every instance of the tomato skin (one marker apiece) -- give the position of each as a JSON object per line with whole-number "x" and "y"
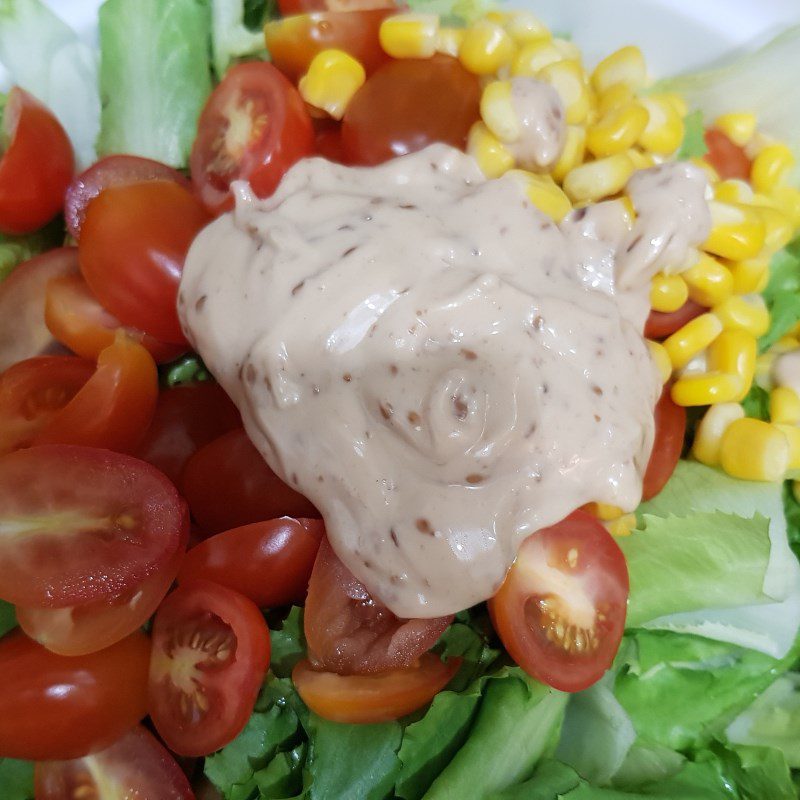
{"x": 328, "y": 140}
{"x": 228, "y": 484}
{"x": 670, "y": 419}
{"x": 579, "y": 555}
{"x": 728, "y": 159}
{"x": 134, "y": 240}
{"x": 407, "y": 105}
{"x": 350, "y": 632}
{"x": 661, "y": 324}
{"x": 364, "y": 699}
{"x": 36, "y": 167}
{"x": 209, "y": 642}
{"x": 278, "y": 136}
{"x": 289, "y": 7}
{"x": 269, "y": 562}
{"x": 54, "y": 707}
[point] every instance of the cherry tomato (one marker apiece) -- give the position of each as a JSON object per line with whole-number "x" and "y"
{"x": 89, "y": 524}
{"x": 670, "y": 419}
{"x": 253, "y": 127}
{"x": 111, "y": 171}
{"x": 288, "y": 7}
{"x": 727, "y": 158}
{"x": 661, "y": 324}
{"x": 54, "y": 707}
{"x": 269, "y": 562}
{"x": 408, "y": 104}
{"x": 210, "y": 653}
{"x": 228, "y": 484}
{"x": 373, "y": 698}
{"x": 23, "y": 333}
{"x": 561, "y": 610}
{"x": 36, "y": 167}
{"x": 77, "y": 320}
{"x": 136, "y": 766}
{"x": 350, "y": 632}
{"x": 134, "y": 240}
{"x": 294, "y": 41}
{"x": 328, "y": 140}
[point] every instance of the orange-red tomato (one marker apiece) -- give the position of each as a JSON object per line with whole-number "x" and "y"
{"x": 288, "y": 7}
{"x": 727, "y": 158}
{"x": 670, "y": 419}
{"x": 661, "y": 324}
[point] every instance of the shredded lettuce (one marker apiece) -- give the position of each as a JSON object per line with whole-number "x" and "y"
{"x": 16, "y": 779}
{"x": 16, "y": 249}
{"x": 782, "y": 294}
{"x": 231, "y": 38}
{"x": 187, "y": 369}
{"x": 694, "y": 143}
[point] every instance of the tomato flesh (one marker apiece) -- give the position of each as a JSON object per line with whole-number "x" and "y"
{"x": 670, "y": 420}
{"x": 728, "y": 159}
{"x": 661, "y": 324}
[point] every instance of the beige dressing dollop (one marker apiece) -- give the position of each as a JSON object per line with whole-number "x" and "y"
{"x": 436, "y": 365}
{"x": 542, "y": 125}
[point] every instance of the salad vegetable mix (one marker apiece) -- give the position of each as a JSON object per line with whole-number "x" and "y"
{"x": 174, "y": 622}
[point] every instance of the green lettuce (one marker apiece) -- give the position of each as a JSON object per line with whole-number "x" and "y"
{"x": 231, "y": 37}
{"x": 8, "y": 618}
{"x": 782, "y": 294}
{"x": 16, "y": 249}
{"x": 16, "y": 779}
{"x": 694, "y": 143}
{"x": 187, "y": 369}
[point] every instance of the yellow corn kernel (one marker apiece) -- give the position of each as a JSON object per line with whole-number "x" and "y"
{"x": 641, "y": 160}
{"x": 598, "y": 179}
{"x": 497, "y": 111}
{"x": 711, "y": 174}
{"x": 490, "y": 153}
{"x": 533, "y": 57}
{"x": 737, "y": 231}
{"x": 784, "y": 406}
{"x": 486, "y": 47}
{"x": 572, "y": 153}
{"x": 792, "y": 434}
{"x": 708, "y": 436}
{"x": 663, "y": 133}
{"x": 694, "y": 337}
{"x": 525, "y": 27}
{"x": 544, "y": 193}
{"x": 448, "y": 41}
{"x": 733, "y": 191}
{"x": 626, "y": 66}
{"x": 621, "y": 526}
{"x": 709, "y": 282}
{"x": 754, "y": 451}
{"x": 705, "y": 389}
{"x": 748, "y": 274}
{"x": 332, "y": 79}
{"x": 603, "y": 511}
{"x": 569, "y": 81}
{"x": 779, "y": 230}
{"x": 787, "y": 199}
{"x": 739, "y": 127}
{"x": 409, "y": 35}
{"x": 615, "y": 96}
{"x": 668, "y": 292}
{"x": 661, "y": 359}
{"x": 738, "y": 313}
{"x": 678, "y": 102}
{"x": 568, "y": 49}
{"x": 734, "y": 352}
{"x": 617, "y": 130}
{"x": 770, "y": 167}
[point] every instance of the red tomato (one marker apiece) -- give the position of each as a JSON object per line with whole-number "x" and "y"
{"x": 54, "y": 707}
{"x": 408, "y": 104}
{"x": 269, "y": 562}
{"x": 134, "y": 240}
{"x": 670, "y": 419}
{"x": 36, "y": 167}
{"x": 228, "y": 484}
{"x": 23, "y": 333}
{"x": 210, "y": 653}
{"x": 136, "y": 765}
{"x": 79, "y": 322}
{"x": 253, "y": 127}
{"x": 288, "y": 7}
{"x": 350, "y": 632}
{"x": 294, "y": 41}
{"x": 328, "y": 138}
{"x": 727, "y": 158}
{"x": 363, "y": 699}
{"x": 90, "y": 525}
{"x": 660, "y": 324}
{"x": 561, "y": 610}
{"x": 114, "y": 408}
{"x": 111, "y": 171}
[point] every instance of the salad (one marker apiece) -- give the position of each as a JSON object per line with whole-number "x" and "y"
{"x": 179, "y": 619}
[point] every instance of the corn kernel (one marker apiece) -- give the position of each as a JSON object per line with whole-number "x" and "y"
{"x": 792, "y": 434}
{"x": 617, "y": 130}
{"x": 744, "y": 314}
{"x": 737, "y": 232}
{"x": 568, "y": 49}
{"x": 678, "y": 102}
{"x": 709, "y": 282}
{"x": 486, "y": 47}
{"x": 572, "y": 153}
{"x": 748, "y": 274}
{"x": 525, "y": 27}
{"x": 640, "y": 160}
{"x": 626, "y": 66}
{"x": 598, "y": 179}
{"x": 603, "y": 511}
{"x": 784, "y": 406}
{"x": 754, "y": 450}
{"x": 448, "y": 41}
{"x": 569, "y": 81}
{"x": 694, "y": 337}
{"x": 779, "y": 229}
{"x": 533, "y": 57}
{"x": 497, "y": 111}
{"x": 733, "y": 191}
{"x": 734, "y": 352}
{"x": 668, "y": 293}
{"x": 706, "y": 389}
{"x": 664, "y": 131}
{"x": 661, "y": 359}
{"x": 621, "y": 526}
{"x": 708, "y": 436}
{"x": 712, "y": 176}
{"x": 409, "y": 35}
{"x": 490, "y": 153}
{"x": 770, "y": 167}
{"x": 615, "y": 96}
{"x": 739, "y": 127}
{"x": 332, "y": 79}
{"x": 544, "y": 193}
{"x": 787, "y": 199}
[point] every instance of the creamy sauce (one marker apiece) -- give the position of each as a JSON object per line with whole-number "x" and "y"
{"x": 542, "y": 126}
{"x": 440, "y": 368}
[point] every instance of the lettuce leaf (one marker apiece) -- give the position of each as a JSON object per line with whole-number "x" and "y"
{"x": 16, "y": 779}
{"x": 230, "y": 36}
{"x": 694, "y": 143}
{"x": 16, "y": 249}
{"x": 8, "y": 618}
{"x": 782, "y": 294}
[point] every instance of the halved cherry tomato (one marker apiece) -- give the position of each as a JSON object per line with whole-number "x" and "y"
{"x": 561, "y": 610}
{"x": 294, "y": 41}
{"x": 253, "y": 127}
{"x": 111, "y": 171}
{"x": 82, "y": 524}
{"x": 228, "y": 484}
{"x": 210, "y": 652}
{"x": 135, "y": 766}
{"x": 362, "y": 699}
{"x": 350, "y": 632}
{"x": 288, "y": 7}
{"x": 328, "y": 140}
{"x": 727, "y": 158}
{"x": 77, "y": 320}
{"x": 269, "y": 562}
{"x": 55, "y": 707}
{"x": 114, "y": 408}
{"x": 408, "y": 104}
{"x": 23, "y": 333}
{"x": 670, "y": 419}
{"x": 134, "y": 240}
{"x": 661, "y": 324}
{"x": 36, "y": 167}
